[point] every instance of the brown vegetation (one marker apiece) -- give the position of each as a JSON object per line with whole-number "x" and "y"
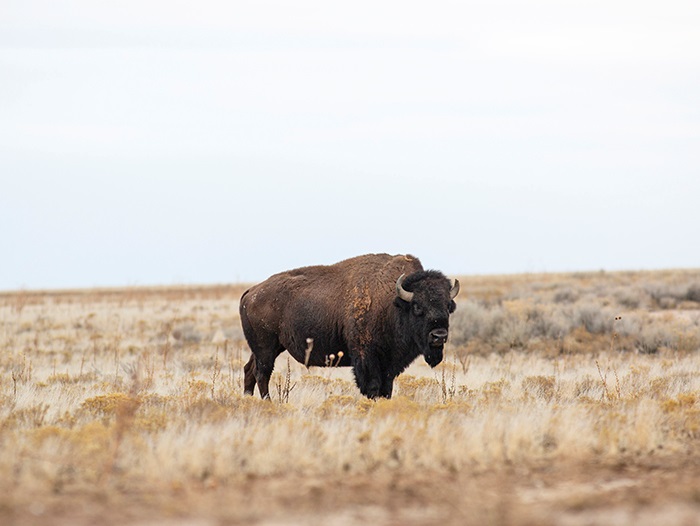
{"x": 567, "y": 399}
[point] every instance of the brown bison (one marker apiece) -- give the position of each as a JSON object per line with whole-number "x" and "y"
{"x": 375, "y": 313}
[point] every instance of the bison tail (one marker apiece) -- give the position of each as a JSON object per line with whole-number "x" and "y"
{"x": 245, "y": 322}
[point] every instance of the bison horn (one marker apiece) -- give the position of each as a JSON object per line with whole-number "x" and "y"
{"x": 454, "y": 290}
{"x": 401, "y": 292}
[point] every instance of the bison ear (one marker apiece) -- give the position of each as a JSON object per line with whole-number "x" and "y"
{"x": 452, "y": 307}
{"x": 401, "y": 304}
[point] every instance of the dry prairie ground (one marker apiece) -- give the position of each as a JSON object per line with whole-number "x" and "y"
{"x": 564, "y": 399}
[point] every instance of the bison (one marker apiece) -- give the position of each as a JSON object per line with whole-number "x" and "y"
{"x": 375, "y": 313}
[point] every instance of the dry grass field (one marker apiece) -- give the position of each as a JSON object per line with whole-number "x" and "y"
{"x": 564, "y": 399}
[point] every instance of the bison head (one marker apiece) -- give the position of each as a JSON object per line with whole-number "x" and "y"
{"x": 426, "y": 300}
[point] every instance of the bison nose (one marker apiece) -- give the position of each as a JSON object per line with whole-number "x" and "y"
{"x": 438, "y": 335}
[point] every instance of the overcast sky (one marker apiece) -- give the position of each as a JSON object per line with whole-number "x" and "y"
{"x": 159, "y": 142}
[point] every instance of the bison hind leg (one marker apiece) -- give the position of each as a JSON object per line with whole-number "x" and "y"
{"x": 262, "y": 372}
{"x": 249, "y": 378}
{"x": 258, "y": 373}
{"x": 265, "y": 348}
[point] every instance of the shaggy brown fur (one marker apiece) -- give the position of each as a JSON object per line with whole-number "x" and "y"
{"x": 351, "y": 311}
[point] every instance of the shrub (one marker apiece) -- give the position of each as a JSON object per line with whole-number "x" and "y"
{"x": 629, "y": 298}
{"x": 593, "y": 317}
{"x": 652, "y": 338}
{"x": 693, "y": 293}
{"x": 565, "y": 295}
{"x": 472, "y": 320}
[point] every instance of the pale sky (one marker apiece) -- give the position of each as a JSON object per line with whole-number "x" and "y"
{"x": 165, "y": 142}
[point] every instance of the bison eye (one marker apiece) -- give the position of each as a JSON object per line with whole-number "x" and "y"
{"x": 417, "y": 310}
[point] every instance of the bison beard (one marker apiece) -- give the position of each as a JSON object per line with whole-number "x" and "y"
{"x": 380, "y": 311}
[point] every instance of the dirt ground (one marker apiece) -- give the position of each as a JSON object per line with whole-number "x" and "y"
{"x": 629, "y": 492}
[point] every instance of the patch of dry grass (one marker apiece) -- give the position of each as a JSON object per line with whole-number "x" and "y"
{"x": 141, "y": 391}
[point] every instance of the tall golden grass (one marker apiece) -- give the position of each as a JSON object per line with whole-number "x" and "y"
{"x": 132, "y": 390}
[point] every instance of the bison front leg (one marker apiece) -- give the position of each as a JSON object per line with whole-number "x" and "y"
{"x": 387, "y": 386}
{"x": 368, "y": 377}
